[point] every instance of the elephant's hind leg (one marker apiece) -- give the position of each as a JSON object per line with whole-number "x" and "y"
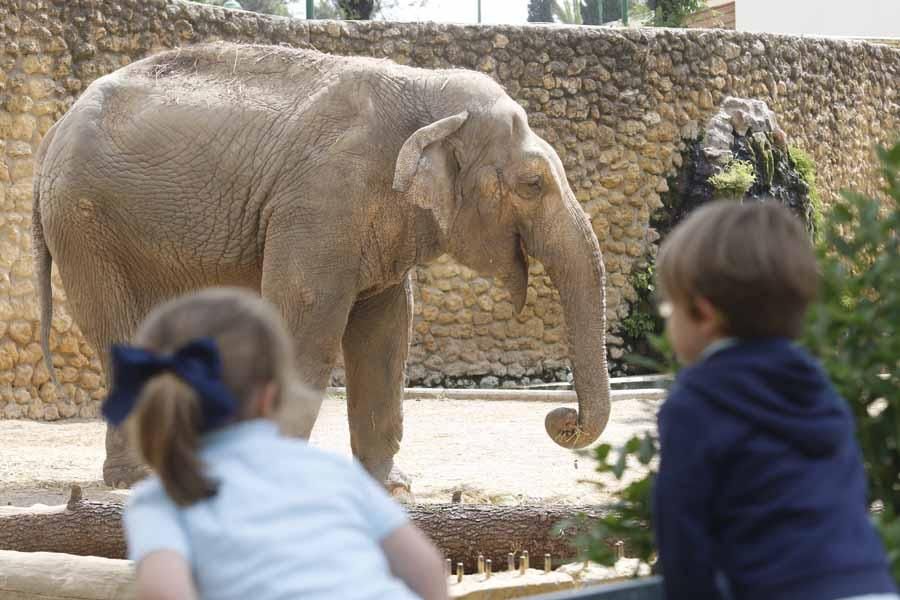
{"x": 376, "y": 345}
{"x": 108, "y": 311}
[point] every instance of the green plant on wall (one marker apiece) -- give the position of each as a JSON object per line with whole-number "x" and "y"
{"x": 762, "y": 148}
{"x": 734, "y": 180}
{"x": 804, "y": 164}
{"x": 642, "y": 319}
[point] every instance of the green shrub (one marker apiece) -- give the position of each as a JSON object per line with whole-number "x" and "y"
{"x": 735, "y": 179}
{"x": 628, "y": 518}
{"x": 855, "y": 331}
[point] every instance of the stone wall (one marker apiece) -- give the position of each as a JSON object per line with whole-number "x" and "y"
{"x": 616, "y": 105}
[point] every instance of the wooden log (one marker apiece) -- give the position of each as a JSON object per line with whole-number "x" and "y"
{"x": 48, "y": 576}
{"x": 461, "y": 531}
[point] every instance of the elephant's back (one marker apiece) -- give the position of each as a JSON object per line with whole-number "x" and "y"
{"x": 221, "y": 75}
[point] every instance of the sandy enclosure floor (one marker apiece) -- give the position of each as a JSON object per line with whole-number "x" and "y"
{"x": 495, "y": 452}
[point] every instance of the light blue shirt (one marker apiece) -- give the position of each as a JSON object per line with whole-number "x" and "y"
{"x": 289, "y": 521}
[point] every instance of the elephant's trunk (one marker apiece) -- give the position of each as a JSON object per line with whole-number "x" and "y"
{"x": 571, "y": 254}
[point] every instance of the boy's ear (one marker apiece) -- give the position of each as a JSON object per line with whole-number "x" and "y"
{"x": 708, "y": 315}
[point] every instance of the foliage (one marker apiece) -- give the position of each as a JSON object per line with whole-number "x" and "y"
{"x": 583, "y": 12}
{"x": 363, "y": 10}
{"x": 546, "y": 11}
{"x": 268, "y": 7}
{"x": 357, "y": 9}
{"x": 855, "y": 330}
{"x": 639, "y": 324}
{"x": 540, "y": 11}
{"x": 642, "y": 320}
{"x": 735, "y": 179}
{"x": 589, "y": 10}
{"x": 567, "y": 11}
{"x": 638, "y": 12}
{"x": 672, "y": 13}
{"x": 804, "y": 164}
{"x": 889, "y": 526}
{"x": 629, "y": 518}
{"x": 326, "y": 9}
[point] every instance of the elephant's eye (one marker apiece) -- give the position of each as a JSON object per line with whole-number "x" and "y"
{"x": 530, "y": 187}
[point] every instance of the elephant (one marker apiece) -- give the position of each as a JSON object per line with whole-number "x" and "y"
{"x": 319, "y": 181}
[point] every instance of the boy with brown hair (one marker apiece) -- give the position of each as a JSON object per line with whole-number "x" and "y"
{"x": 761, "y": 491}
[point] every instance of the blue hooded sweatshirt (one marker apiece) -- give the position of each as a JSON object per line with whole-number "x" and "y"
{"x": 761, "y": 489}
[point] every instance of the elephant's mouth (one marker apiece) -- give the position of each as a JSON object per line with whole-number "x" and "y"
{"x": 518, "y": 287}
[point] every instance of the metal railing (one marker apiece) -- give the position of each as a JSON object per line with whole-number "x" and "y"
{"x": 646, "y": 588}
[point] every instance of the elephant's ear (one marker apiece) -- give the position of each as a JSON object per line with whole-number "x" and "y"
{"x": 426, "y": 169}
{"x": 414, "y": 147}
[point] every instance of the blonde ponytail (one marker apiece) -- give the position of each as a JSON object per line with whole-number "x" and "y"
{"x": 165, "y": 427}
{"x": 196, "y": 364}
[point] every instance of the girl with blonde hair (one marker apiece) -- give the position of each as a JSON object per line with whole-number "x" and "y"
{"x": 235, "y": 509}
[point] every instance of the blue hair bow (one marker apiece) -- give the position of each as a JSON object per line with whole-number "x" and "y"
{"x": 197, "y": 363}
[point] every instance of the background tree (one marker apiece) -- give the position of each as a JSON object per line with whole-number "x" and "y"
{"x": 326, "y": 9}
{"x": 268, "y": 7}
{"x": 589, "y": 14}
{"x": 358, "y": 10}
{"x": 671, "y": 13}
{"x": 567, "y": 11}
{"x": 590, "y": 11}
{"x": 540, "y": 11}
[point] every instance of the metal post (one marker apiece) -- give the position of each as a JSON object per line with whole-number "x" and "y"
{"x": 479, "y": 12}
{"x": 310, "y": 9}
{"x": 600, "y": 12}
{"x": 625, "y": 12}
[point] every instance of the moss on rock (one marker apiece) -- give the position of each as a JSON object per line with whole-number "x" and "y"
{"x": 806, "y": 167}
{"x": 734, "y": 180}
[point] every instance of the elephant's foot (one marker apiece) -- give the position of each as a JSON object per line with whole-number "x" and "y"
{"x": 399, "y": 485}
{"x": 394, "y": 480}
{"x": 121, "y": 475}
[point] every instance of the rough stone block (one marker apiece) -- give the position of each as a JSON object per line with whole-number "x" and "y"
{"x": 503, "y": 311}
{"x": 13, "y": 411}
{"x": 68, "y": 345}
{"x": 9, "y": 356}
{"x": 23, "y": 376}
{"x": 90, "y": 381}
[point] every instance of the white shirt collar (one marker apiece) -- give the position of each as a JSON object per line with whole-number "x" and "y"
{"x": 716, "y": 346}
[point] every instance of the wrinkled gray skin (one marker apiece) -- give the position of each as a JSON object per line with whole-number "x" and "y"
{"x": 320, "y": 181}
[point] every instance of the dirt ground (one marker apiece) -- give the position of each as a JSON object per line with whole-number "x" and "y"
{"x": 494, "y": 452}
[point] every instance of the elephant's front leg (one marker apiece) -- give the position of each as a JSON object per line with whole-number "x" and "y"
{"x": 376, "y": 344}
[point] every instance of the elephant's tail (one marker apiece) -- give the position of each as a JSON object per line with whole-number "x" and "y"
{"x": 43, "y": 264}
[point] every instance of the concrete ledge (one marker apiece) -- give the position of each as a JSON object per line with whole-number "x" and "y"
{"x": 52, "y": 576}
{"x": 559, "y": 396}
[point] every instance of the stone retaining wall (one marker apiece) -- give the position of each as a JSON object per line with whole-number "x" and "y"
{"x": 615, "y": 104}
